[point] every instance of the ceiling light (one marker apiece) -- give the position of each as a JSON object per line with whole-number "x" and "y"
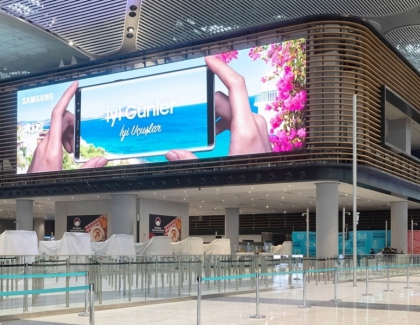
{"x": 71, "y": 43}
{"x": 130, "y": 29}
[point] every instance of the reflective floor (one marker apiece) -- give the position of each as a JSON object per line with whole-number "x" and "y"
{"x": 401, "y": 306}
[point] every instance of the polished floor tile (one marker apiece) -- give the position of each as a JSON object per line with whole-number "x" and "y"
{"x": 402, "y": 306}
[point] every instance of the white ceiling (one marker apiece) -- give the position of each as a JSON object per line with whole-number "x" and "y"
{"x": 260, "y": 199}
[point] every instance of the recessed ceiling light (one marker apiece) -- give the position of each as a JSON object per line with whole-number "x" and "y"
{"x": 71, "y": 43}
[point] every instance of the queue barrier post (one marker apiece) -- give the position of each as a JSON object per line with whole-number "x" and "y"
{"x": 367, "y": 294}
{"x": 304, "y": 291}
{"x": 199, "y": 282}
{"x": 387, "y": 280}
{"x": 408, "y": 278}
{"x": 335, "y": 286}
{"x": 92, "y": 304}
{"x": 86, "y": 312}
{"x": 257, "y": 304}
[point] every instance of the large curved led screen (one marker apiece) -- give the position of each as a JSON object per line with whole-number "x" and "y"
{"x": 235, "y": 103}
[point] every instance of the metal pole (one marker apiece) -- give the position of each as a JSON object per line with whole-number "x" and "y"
{"x": 387, "y": 280}
{"x": 408, "y": 278}
{"x": 92, "y": 304}
{"x": 304, "y": 291}
{"x": 199, "y": 300}
{"x": 343, "y": 237}
{"x": 257, "y": 290}
{"x": 335, "y": 286}
{"x": 367, "y": 294}
{"x": 412, "y": 237}
{"x": 67, "y": 283}
{"x": 86, "y": 312}
{"x": 25, "y": 297}
{"x": 307, "y": 233}
{"x": 386, "y": 232}
{"x": 354, "y": 189}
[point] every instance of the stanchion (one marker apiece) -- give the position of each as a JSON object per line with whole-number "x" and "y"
{"x": 408, "y": 278}
{"x": 86, "y": 312}
{"x": 257, "y": 290}
{"x": 199, "y": 300}
{"x": 367, "y": 294}
{"x": 25, "y": 287}
{"x": 304, "y": 291}
{"x": 387, "y": 280}
{"x": 67, "y": 283}
{"x": 92, "y": 304}
{"x": 335, "y": 286}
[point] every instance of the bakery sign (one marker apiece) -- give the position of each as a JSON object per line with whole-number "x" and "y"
{"x": 160, "y": 225}
{"x": 95, "y": 225}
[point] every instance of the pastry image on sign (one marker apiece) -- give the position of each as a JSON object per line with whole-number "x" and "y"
{"x": 173, "y": 233}
{"x": 97, "y": 234}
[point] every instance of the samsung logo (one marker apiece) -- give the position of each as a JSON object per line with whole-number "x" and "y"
{"x": 37, "y": 98}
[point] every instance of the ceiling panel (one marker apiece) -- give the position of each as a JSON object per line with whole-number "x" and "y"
{"x": 97, "y": 28}
{"x": 189, "y": 20}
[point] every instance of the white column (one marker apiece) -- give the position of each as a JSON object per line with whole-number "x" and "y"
{"x": 326, "y": 219}
{"x": 123, "y": 213}
{"x": 24, "y": 215}
{"x": 399, "y": 226}
{"x": 232, "y": 225}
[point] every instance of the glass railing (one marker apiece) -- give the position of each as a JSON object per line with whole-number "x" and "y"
{"x": 42, "y": 283}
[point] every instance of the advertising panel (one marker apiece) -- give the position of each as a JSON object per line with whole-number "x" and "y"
{"x": 299, "y": 243}
{"x": 95, "y": 225}
{"x": 165, "y": 226}
{"x": 241, "y": 102}
{"x": 366, "y": 240}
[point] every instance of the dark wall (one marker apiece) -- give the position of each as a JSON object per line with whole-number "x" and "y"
{"x": 7, "y": 224}
{"x": 49, "y": 227}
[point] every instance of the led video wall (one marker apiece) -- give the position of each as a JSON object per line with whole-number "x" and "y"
{"x": 241, "y": 102}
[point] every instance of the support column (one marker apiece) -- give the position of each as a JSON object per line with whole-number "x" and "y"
{"x": 326, "y": 219}
{"x": 399, "y": 225}
{"x": 232, "y": 225}
{"x": 24, "y": 215}
{"x": 123, "y": 214}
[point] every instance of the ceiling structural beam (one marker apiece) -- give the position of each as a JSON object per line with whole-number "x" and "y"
{"x": 131, "y": 26}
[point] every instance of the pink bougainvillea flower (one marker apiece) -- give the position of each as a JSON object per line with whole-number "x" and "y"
{"x": 227, "y": 56}
{"x": 301, "y": 133}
